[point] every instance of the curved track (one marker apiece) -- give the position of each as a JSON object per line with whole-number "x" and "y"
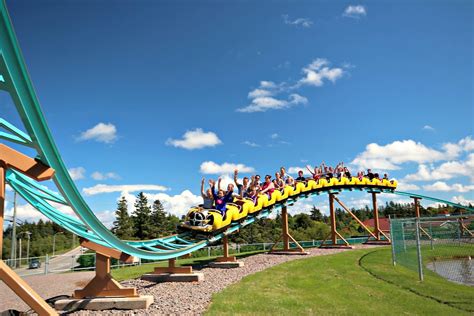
{"x": 15, "y": 80}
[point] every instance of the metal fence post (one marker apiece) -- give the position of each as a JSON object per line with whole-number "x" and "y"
{"x": 394, "y": 261}
{"x": 208, "y": 252}
{"x": 431, "y": 237}
{"x": 46, "y": 264}
{"x": 418, "y": 249}
{"x": 403, "y": 236}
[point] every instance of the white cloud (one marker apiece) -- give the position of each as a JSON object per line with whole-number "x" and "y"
{"x": 258, "y": 93}
{"x": 462, "y": 200}
{"x": 445, "y": 171}
{"x": 318, "y": 71}
{"x": 263, "y": 104}
{"x": 195, "y": 139}
{"x": 104, "y": 176}
{"x": 443, "y": 186}
{"x": 251, "y": 144}
{"x": 210, "y": 167}
{"x": 355, "y": 11}
{"x": 274, "y": 136}
{"x": 294, "y": 170}
{"x": 407, "y": 186}
{"x": 428, "y": 128}
{"x": 175, "y": 204}
{"x": 77, "y": 173}
{"x": 104, "y": 188}
{"x": 102, "y": 132}
{"x": 390, "y": 156}
{"x": 303, "y": 22}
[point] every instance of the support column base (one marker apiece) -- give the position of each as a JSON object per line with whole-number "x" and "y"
{"x": 173, "y": 277}
{"x": 377, "y": 242}
{"x": 103, "y": 303}
{"x": 288, "y": 252}
{"x": 335, "y": 246}
{"x": 226, "y": 264}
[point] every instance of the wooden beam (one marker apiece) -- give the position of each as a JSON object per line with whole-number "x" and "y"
{"x": 103, "y": 284}
{"x": 24, "y": 291}
{"x": 2, "y": 206}
{"x": 33, "y": 168}
{"x": 355, "y": 217}
{"x": 113, "y": 253}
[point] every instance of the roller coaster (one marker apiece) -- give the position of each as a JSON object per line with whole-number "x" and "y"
{"x": 24, "y": 176}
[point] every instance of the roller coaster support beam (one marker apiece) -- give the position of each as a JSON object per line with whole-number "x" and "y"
{"x": 334, "y": 233}
{"x": 10, "y": 158}
{"x": 172, "y": 273}
{"x": 225, "y": 256}
{"x": 286, "y": 236}
{"x": 103, "y": 284}
{"x": 416, "y": 203}
{"x": 376, "y": 236}
{"x": 226, "y": 261}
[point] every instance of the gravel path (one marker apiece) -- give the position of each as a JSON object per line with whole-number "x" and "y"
{"x": 45, "y": 285}
{"x": 194, "y": 298}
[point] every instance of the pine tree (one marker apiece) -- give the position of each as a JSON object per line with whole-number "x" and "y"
{"x": 159, "y": 220}
{"x": 123, "y": 225}
{"x": 142, "y": 218}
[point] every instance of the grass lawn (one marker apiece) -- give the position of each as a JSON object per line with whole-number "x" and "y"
{"x": 350, "y": 283}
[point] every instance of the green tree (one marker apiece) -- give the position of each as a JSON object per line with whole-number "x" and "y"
{"x": 158, "y": 220}
{"x": 142, "y": 218}
{"x": 123, "y": 224}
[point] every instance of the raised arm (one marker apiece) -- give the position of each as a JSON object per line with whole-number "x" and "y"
{"x": 309, "y": 169}
{"x": 236, "y": 173}
{"x": 203, "y": 194}
{"x": 219, "y": 183}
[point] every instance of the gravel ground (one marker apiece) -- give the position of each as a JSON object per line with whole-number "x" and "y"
{"x": 45, "y": 285}
{"x": 194, "y": 298}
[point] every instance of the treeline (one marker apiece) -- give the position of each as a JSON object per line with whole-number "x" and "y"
{"x": 145, "y": 222}
{"x": 41, "y": 239}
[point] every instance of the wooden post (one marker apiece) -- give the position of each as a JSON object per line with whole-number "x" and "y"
{"x": 332, "y": 215}
{"x": 286, "y": 237}
{"x": 2, "y": 205}
{"x": 376, "y": 216}
{"x": 286, "y": 233}
{"x": 334, "y": 234}
{"x": 225, "y": 256}
{"x": 103, "y": 284}
{"x": 11, "y": 158}
{"x": 417, "y": 207}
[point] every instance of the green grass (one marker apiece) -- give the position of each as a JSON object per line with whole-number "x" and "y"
{"x": 127, "y": 273}
{"x": 350, "y": 283}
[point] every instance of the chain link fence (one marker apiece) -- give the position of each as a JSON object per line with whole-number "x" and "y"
{"x": 86, "y": 260}
{"x": 444, "y": 245}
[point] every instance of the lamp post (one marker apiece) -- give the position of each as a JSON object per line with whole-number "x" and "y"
{"x": 54, "y": 242}
{"x": 13, "y": 250}
{"x": 28, "y": 234}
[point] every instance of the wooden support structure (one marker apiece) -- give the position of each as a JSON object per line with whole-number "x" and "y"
{"x": 416, "y": 202}
{"x": 225, "y": 257}
{"x": 103, "y": 285}
{"x": 286, "y": 237}
{"x": 173, "y": 269}
{"x": 334, "y": 233}
{"x": 10, "y": 158}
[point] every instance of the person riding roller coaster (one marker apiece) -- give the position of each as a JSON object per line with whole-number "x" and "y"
{"x": 221, "y": 198}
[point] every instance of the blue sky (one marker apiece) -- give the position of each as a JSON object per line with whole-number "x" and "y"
{"x": 262, "y": 85}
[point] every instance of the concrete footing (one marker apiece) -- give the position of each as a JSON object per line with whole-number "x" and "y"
{"x": 378, "y": 242}
{"x": 336, "y": 247}
{"x": 226, "y": 265}
{"x": 288, "y": 252}
{"x": 103, "y": 303}
{"x": 173, "y": 277}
